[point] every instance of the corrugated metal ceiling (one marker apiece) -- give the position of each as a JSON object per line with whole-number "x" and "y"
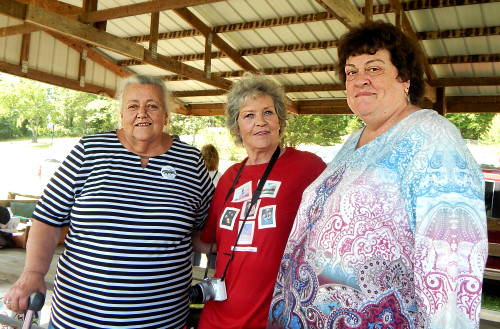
{"x": 293, "y": 40}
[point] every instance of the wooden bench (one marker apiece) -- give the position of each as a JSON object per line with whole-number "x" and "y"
{"x": 22, "y": 239}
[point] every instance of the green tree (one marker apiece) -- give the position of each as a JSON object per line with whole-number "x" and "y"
{"x": 8, "y": 118}
{"x": 190, "y": 125}
{"x": 321, "y": 130}
{"x": 100, "y": 116}
{"x": 471, "y": 125}
{"x": 492, "y": 135}
{"x": 31, "y": 100}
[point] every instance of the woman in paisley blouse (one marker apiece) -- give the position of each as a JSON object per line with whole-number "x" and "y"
{"x": 393, "y": 232}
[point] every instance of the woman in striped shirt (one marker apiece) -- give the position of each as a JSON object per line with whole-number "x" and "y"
{"x": 131, "y": 198}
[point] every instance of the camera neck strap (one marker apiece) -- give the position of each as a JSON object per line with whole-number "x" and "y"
{"x": 255, "y": 197}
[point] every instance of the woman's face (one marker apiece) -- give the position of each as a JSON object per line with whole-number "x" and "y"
{"x": 258, "y": 124}
{"x": 373, "y": 87}
{"x": 143, "y": 112}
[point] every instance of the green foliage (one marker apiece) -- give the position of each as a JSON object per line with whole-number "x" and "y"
{"x": 471, "y": 125}
{"x": 492, "y": 135}
{"x": 190, "y": 125}
{"x": 223, "y": 142}
{"x": 321, "y": 130}
{"x": 27, "y": 107}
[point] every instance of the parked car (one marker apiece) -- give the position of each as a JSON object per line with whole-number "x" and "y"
{"x": 492, "y": 192}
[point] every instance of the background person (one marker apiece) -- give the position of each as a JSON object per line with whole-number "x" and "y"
{"x": 211, "y": 159}
{"x": 131, "y": 198}
{"x": 256, "y": 117}
{"x": 393, "y": 232}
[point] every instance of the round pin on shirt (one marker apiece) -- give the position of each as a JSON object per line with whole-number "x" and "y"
{"x": 168, "y": 172}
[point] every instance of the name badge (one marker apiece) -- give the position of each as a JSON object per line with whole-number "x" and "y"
{"x": 168, "y": 172}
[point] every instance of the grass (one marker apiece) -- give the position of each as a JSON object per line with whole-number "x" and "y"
{"x": 491, "y": 297}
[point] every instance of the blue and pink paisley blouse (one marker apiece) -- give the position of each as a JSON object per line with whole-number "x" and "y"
{"x": 390, "y": 235}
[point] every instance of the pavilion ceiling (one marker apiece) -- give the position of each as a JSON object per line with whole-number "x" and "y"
{"x": 199, "y": 47}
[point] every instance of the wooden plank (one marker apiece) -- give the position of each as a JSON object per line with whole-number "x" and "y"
{"x": 56, "y": 80}
{"x": 493, "y": 224}
{"x": 81, "y": 31}
{"x": 13, "y": 9}
{"x": 195, "y": 22}
{"x": 91, "y": 54}
{"x": 491, "y": 273}
{"x": 345, "y": 11}
{"x": 139, "y": 9}
{"x": 494, "y": 249}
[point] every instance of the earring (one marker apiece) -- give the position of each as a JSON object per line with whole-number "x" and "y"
{"x": 407, "y": 94}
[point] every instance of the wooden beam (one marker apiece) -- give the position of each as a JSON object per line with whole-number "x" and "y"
{"x": 153, "y": 31}
{"x": 346, "y": 12}
{"x": 308, "y": 18}
{"x": 139, "y": 9}
{"x": 217, "y": 41}
{"x": 459, "y": 82}
{"x": 18, "y": 29}
{"x": 440, "y": 104}
{"x": 185, "y": 70}
{"x": 198, "y": 93}
{"x": 99, "y": 38}
{"x": 314, "y": 87}
{"x": 459, "y": 33}
{"x": 92, "y": 54}
{"x": 208, "y": 56}
{"x": 56, "y": 80}
{"x": 473, "y": 104}
{"x": 368, "y": 10}
{"x": 58, "y": 7}
{"x": 320, "y": 45}
{"x": 81, "y": 31}
{"x": 25, "y": 52}
{"x": 205, "y": 109}
{"x": 480, "y": 58}
{"x": 13, "y": 9}
{"x": 409, "y": 31}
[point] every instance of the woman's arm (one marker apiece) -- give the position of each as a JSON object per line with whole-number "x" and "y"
{"x": 42, "y": 241}
{"x": 199, "y": 245}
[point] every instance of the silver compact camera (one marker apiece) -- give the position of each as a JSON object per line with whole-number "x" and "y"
{"x": 207, "y": 289}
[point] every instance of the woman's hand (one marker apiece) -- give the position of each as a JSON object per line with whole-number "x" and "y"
{"x": 17, "y": 297}
{"x": 42, "y": 242}
{"x": 200, "y": 246}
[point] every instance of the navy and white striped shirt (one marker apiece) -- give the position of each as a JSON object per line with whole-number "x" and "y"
{"x": 127, "y": 262}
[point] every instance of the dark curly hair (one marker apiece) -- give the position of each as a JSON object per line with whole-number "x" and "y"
{"x": 405, "y": 54}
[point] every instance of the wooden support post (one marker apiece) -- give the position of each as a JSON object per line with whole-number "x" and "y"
{"x": 153, "y": 29}
{"x": 25, "y": 52}
{"x": 208, "y": 55}
{"x": 440, "y": 105}
{"x": 368, "y": 10}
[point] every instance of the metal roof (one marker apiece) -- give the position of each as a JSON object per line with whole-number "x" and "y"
{"x": 199, "y": 46}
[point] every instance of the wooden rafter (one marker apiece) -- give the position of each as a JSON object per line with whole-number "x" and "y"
{"x": 411, "y": 33}
{"x": 346, "y": 12}
{"x": 55, "y": 80}
{"x": 139, "y": 8}
{"x": 89, "y": 34}
{"x": 92, "y": 54}
{"x": 195, "y": 22}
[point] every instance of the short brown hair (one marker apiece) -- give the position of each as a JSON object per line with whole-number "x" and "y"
{"x": 210, "y": 156}
{"x": 370, "y": 37}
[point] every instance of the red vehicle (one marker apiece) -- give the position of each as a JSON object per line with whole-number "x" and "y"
{"x": 492, "y": 192}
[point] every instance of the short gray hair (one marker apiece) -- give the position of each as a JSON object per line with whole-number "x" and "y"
{"x": 143, "y": 80}
{"x": 249, "y": 85}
